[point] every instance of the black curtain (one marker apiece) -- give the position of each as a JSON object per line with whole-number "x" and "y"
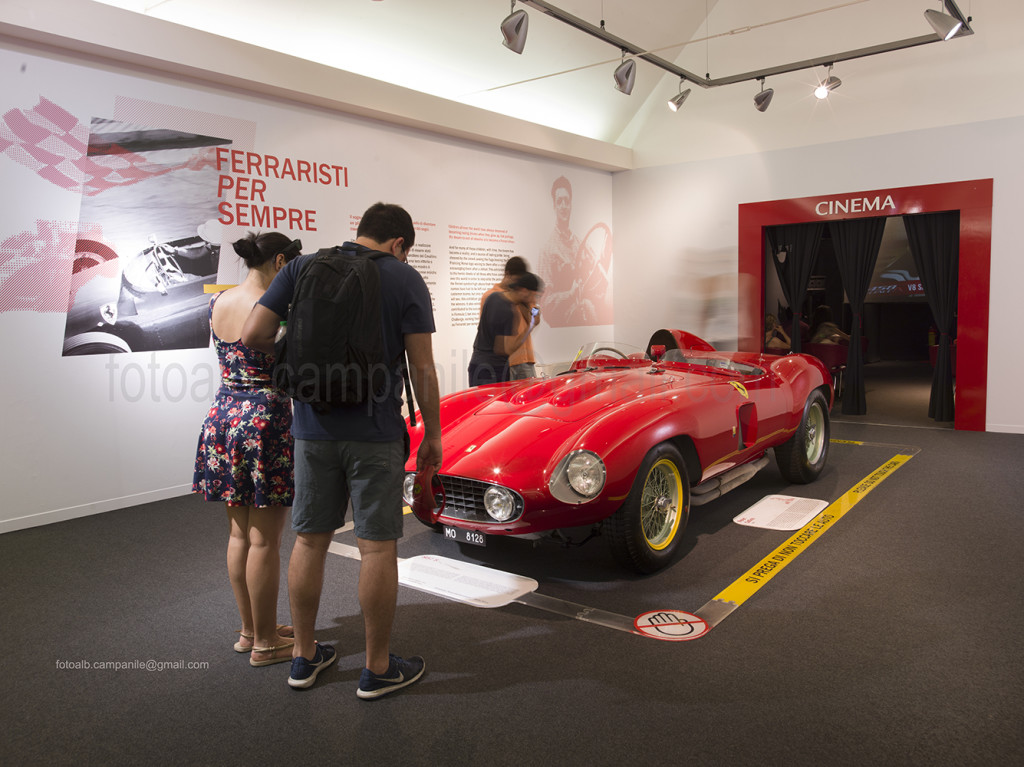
{"x": 800, "y": 244}
{"x": 935, "y": 244}
{"x": 856, "y": 243}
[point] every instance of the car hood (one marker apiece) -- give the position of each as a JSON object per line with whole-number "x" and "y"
{"x": 574, "y": 397}
{"x": 532, "y": 424}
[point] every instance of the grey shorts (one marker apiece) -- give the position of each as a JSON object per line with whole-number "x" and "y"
{"x": 521, "y": 371}
{"x": 330, "y": 473}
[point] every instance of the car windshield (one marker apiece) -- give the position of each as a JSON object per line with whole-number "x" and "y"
{"x": 718, "y": 362}
{"x": 616, "y": 354}
{"x": 602, "y": 354}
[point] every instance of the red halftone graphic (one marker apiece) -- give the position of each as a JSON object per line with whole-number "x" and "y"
{"x": 36, "y": 267}
{"x": 48, "y": 140}
{"x": 55, "y": 145}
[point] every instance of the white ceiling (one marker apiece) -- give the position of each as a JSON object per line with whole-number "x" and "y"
{"x": 563, "y": 79}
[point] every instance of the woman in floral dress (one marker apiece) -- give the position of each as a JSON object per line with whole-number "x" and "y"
{"x": 244, "y": 458}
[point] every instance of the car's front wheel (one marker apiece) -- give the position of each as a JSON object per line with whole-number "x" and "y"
{"x": 646, "y": 531}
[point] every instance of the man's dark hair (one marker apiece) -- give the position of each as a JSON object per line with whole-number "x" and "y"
{"x": 529, "y": 280}
{"x": 516, "y": 266}
{"x": 561, "y": 183}
{"x": 383, "y": 221}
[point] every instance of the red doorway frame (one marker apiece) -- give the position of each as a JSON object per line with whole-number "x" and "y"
{"x": 974, "y": 201}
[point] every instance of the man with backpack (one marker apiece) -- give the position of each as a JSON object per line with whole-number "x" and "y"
{"x": 355, "y": 451}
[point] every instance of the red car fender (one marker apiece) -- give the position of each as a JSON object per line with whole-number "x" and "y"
{"x": 626, "y": 434}
{"x": 454, "y": 408}
{"x": 801, "y": 379}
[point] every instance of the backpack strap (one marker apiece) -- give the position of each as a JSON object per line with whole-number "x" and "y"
{"x": 300, "y": 275}
{"x": 400, "y": 360}
{"x": 305, "y": 268}
{"x": 408, "y": 391}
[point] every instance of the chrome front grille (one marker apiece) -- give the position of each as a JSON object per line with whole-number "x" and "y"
{"x": 464, "y": 499}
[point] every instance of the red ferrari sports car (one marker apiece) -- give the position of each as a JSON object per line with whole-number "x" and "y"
{"x": 623, "y": 442}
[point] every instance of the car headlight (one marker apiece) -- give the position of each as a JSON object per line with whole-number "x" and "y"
{"x": 579, "y": 478}
{"x": 407, "y": 485}
{"x": 585, "y": 472}
{"x": 499, "y": 503}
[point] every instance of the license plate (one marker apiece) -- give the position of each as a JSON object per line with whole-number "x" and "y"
{"x": 471, "y": 537}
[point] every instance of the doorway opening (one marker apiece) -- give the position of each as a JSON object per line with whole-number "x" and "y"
{"x": 898, "y": 333}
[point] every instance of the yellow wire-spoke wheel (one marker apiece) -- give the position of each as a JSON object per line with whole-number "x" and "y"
{"x": 645, "y": 532}
{"x": 660, "y": 504}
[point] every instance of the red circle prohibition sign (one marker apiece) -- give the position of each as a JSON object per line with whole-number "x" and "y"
{"x": 671, "y": 625}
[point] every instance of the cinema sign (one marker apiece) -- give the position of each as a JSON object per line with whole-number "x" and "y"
{"x": 884, "y": 205}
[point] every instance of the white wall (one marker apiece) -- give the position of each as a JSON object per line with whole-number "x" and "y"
{"x": 674, "y": 221}
{"x": 93, "y": 433}
{"x": 85, "y": 435}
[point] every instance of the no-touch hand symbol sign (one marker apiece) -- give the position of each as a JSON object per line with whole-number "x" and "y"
{"x": 671, "y": 625}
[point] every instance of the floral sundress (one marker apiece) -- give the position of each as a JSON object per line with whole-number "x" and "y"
{"x": 245, "y": 452}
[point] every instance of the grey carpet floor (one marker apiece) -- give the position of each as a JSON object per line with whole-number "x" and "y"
{"x": 894, "y": 639}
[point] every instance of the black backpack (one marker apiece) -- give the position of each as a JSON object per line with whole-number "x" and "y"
{"x": 332, "y": 353}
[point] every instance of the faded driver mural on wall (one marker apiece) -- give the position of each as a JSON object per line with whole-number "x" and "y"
{"x": 576, "y": 273}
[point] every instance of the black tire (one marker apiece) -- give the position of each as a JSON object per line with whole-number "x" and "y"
{"x": 645, "y": 532}
{"x": 803, "y": 456}
{"x": 94, "y": 343}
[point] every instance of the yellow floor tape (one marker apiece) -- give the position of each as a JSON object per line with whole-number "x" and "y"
{"x": 757, "y": 576}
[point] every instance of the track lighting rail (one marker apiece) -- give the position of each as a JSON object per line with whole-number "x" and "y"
{"x": 705, "y": 82}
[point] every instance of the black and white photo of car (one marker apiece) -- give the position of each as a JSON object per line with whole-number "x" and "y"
{"x": 156, "y": 301}
{"x": 148, "y": 242}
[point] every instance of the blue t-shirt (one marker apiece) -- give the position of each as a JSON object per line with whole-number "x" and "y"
{"x": 497, "y": 318}
{"x": 405, "y": 308}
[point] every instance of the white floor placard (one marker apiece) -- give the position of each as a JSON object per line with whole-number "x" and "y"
{"x": 781, "y": 512}
{"x": 463, "y": 582}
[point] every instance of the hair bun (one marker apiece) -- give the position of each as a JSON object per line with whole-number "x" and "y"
{"x": 246, "y": 248}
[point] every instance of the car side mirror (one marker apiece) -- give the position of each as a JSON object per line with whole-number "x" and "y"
{"x": 657, "y": 352}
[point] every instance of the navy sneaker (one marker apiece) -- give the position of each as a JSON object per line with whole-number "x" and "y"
{"x": 401, "y": 673}
{"x": 304, "y": 672}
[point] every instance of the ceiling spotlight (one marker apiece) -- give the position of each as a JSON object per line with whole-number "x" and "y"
{"x": 829, "y": 85}
{"x": 514, "y": 29}
{"x": 676, "y": 101}
{"x": 625, "y": 76}
{"x": 945, "y": 26}
{"x": 764, "y": 98}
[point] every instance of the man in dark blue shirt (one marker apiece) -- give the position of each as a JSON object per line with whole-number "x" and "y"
{"x": 357, "y": 455}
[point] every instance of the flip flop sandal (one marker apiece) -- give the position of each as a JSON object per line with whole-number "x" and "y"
{"x": 240, "y": 648}
{"x": 273, "y": 655}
